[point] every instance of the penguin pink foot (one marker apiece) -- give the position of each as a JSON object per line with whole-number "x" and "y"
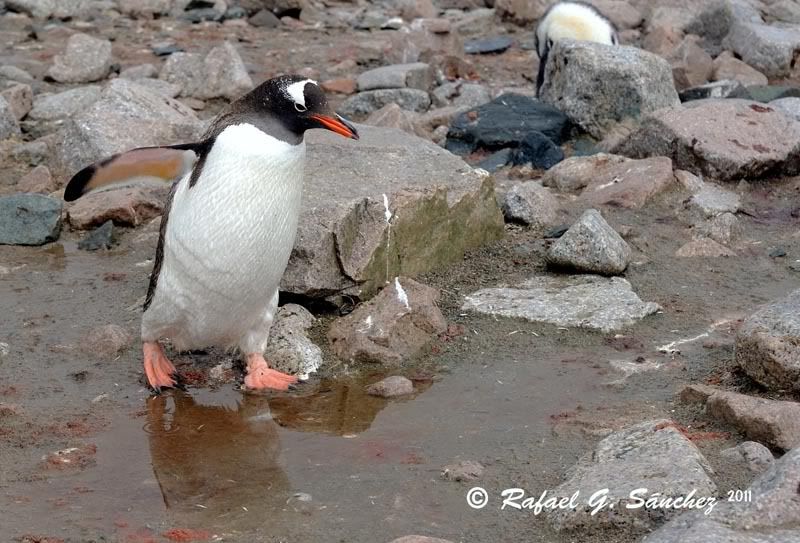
{"x": 260, "y": 376}
{"x": 157, "y": 367}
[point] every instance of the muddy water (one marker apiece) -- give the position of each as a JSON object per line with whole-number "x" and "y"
{"x": 328, "y": 463}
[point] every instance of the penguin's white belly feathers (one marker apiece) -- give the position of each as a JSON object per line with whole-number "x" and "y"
{"x": 227, "y": 242}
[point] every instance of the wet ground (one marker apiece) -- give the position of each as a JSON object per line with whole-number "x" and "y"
{"x": 328, "y": 463}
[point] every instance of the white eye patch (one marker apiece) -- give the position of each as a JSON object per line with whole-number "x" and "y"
{"x": 295, "y": 91}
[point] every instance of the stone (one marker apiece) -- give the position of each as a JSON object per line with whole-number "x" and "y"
{"x": 159, "y": 86}
{"x": 729, "y": 68}
{"x": 689, "y": 181}
{"x": 125, "y": 116}
{"x": 723, "y": 139}
{"x": 772, "y": 422}
{"x": 704, "y": 247}
{"x": 711, "y": 20}
{"x": 101, "y": 237}
{"x": 366, "y": 102}
{"x": 29, "y": 219}
{"x": 662, "y": 39}
{"x": 416, "y": 9}
{"x": 725, "y": 228}
{"x": 630, "y": 184}
{"x": 38, "y": 180}
{"x": 53, "y": 107}
{"x": 340, "y": 86}
{"x": 484, "y": 46}
{"x": 220, "y": 74}
{"x": 420, "y": 210}
{"x": 691, "y": 64}
{"x": 130, "y": 206}
{"x": 290, "y": 350}
{"x": 531, "y": 204}
{"x": 786, "y": 11}
{"x": 772, "y": 50}
{"x": 537, "y": 150}
{"x": 790, "y": 107}
{"x": 461, "y": 95}
{"x": 14, "y": 73}
{"x": 766, "y": 93}
{"x": 422, "y": 44}
{"x": 475, "y": 21}
{"x": 715, "y": 89}
{"x": 495, "y": 161}
{"x": 768, "y": 344}
{"x": 754, "y": 457}
{"x": 264, "y": 19}
{"x": 416, "y": 75}
{"x": 19, "y": 98}
{"x": 598, "y": 86}
{"x": 140, "y": 71}
{"x": 202, "y": 14}
{"x": 419, "y": 539}
{"x": 584, "y": 301}
{"x": 8, "y": 120}
{"x": 391, "y": 328}
{"x": 85, "y": 59}
{"x": 464, "y": 471}
{"x": 504, "y": 122}
{"x": 146, "y": 8}
{"x": 652, "y": 455}
{"x": 392, "y": 116}
{"x": 768, "y": 515}
{"x": 713, "y": 200}
{"x": 33, "y": 152}
{"x": 576, "y": 173}
{"x": 166, "y": 48}
{"x": 622, "y": 14}
{"x": 391, "y": 387}
{"x": 521, "y": 12}
{"x": 591, "y": 246}
{"x": 106, "y": 341}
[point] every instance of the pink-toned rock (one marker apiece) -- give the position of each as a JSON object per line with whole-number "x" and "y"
{"x": 619, "y": 12}
{"x": 630, "y": 184}
{"x": 691, "y": 64}
{"x": 727, "y": 66}
{"x": 704, "y": 247}
{"x": 106, "y": 341}
{"x": 126, "y": 207}
{"x": 19, "y": 98}
{"x": 521, "y": 12}
{"x": 416, "y": 9}
{"x": 396, "y": 385}
{"x": 392, "y": 327}
{"x": 38, "y": 180}
{"x": 340, "y": 86}
{"x": 392, "y": 116}
{"x": 576, "y": 173}
{"x": 662, "y": 40}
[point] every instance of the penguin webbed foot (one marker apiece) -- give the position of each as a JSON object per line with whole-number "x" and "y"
{"x": 158, "y": 369}
{"x": 261, "y": 377}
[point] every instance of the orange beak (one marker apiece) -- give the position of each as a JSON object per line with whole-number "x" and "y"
{"x": 336, "y": 124}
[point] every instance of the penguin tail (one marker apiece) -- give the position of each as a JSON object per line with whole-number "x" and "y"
{"x": 159, "y": 163}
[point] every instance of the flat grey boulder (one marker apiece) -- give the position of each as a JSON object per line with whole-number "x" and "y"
{"x": 51, "y": 107}
{"x": 770, "y": 49}
{"x": 712, "y": 200}
{"x": 647, "y": 458}
{"x": 220, "y": 74}
{"x": 768, "y": 515}
{"x": 29, "y": 219}
{"x": 726, "y": 139}
{"x": 366, "y": 102}
{"x": 583, "y": 301}
{"x": 388, "y": 204}
{"x": 416, "y": 75}
{"x": 125, "y": 116}
{"x": 768, "y": 344}
{"x": 598, "y": 86}
{"x": 591, "y": 246}
{"x": 84, "y": 60}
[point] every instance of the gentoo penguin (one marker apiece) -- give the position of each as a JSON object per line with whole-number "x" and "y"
{"x": 573, "y": 20}
{"x": 228, "y": 227}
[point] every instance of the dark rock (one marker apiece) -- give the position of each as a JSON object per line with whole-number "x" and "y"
{"x": 777, "y": 252}
{"x": 485, "y": 46}
{"x": 235, "y": 12}
{"x": 504, "y": 122}
{"x": 390, "y": 387}
{"x": 101, "y": 237}
{"x": 539, "y": 151}
{"x": 264, "y": 19}
{"x": 163, "y": 49}
{"x": 367, "y": 102}
{"x": 29, "y": 219}
{"x": 765, "y": 93}
{"x": 717, "y": 89}
{"x": 496, "y": 160}
{"x": 203, "y": 14}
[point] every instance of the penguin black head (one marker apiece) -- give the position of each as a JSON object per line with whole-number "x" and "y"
{"x": 298, "y": 104}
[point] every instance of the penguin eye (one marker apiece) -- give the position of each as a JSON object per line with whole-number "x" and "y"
{"x": 300, "y": 107}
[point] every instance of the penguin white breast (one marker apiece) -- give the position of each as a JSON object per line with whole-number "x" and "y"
{"x": 228, "y": 238}
{"x": 574, "y": 21}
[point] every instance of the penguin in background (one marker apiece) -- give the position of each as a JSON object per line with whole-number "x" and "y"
{"x": 228, "y": 227}
{"x": 572, "y": 20}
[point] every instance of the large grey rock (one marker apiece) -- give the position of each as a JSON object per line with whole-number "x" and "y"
{"x": 598, "y": 86}
{"x": 390, "y": 204}
{"x": 772, "y": 422}
{"x": 461, "y": 95}
{"x": 532, "y": 204}
{"x": 788, "y": 106}
{"x": 59, "y": 9}
{"x": 768, "y": 515}
{"x": 417, "y": 75}
{"x": 366, "y": 102}
{"x": 724, "y": 139}
{"x": 591, "y": 246}
{"x": 647, "y": 458}
{"x": 221, "y": 73}
{"x": 713, "y": 200}
{"x": 768, "y": 344}
{"x": 146, "y": 8}
{"x": 584, "y": 301}
{"x": 750, "y": 455}
{"x": 290, "y": 350}
{"x": 8, "y": 120}
{"x": 64, "y": 104}
{"x": 772, "y": 50}
{"x": 711, "y": 19}
{"x": 786, "y": 11}
{"x": 392, "y": 327}
{"x": 126, "y": 116}
{"x": 29, "y": 219}
{"x": 85, "y": 59}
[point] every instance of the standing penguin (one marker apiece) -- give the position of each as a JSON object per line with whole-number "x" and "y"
{"x": 228, "y": 227}
{"x": 573, "y": 20}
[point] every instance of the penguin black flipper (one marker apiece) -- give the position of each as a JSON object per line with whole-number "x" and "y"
{"x": 167, "y": 163}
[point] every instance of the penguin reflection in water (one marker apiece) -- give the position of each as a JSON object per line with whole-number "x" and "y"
{"x": 229, "y": 226}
